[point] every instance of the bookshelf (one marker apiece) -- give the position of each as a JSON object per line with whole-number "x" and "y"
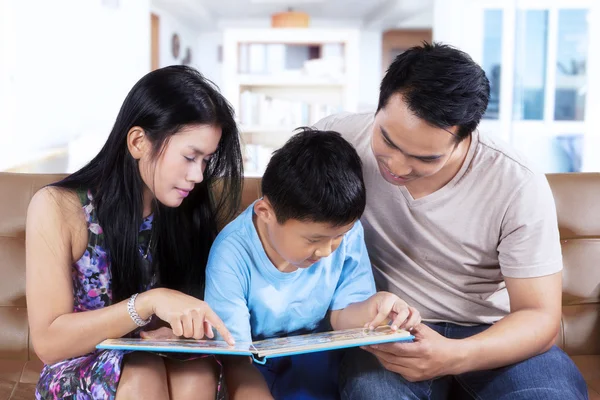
{"x": 279, "y": 79}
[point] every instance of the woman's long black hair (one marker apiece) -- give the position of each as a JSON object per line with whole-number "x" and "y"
{"x": 161, "y": 103}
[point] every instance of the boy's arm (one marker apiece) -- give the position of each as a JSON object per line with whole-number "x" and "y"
{"x": 380, "y": 307}
{"x": 227, "y": 285}
{"x": 356, "y": 315}
{"x": 351, "y": 302}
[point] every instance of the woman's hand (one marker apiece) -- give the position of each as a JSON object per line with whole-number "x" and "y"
{"x": 162, "y": 333}
{"x": 188, "y": 316}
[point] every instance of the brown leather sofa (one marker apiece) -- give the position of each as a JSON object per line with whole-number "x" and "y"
{"x": 578, "y": 205}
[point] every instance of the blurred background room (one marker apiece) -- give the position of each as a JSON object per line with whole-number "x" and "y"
{"x": 67, "y": 65}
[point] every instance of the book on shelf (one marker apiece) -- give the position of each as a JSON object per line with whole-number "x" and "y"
{"x": 262, "y": 350}
{"x": 260, "y": 109}
{"x": 280, "y": 58}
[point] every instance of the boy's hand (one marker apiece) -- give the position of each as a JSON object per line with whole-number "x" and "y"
{"x": 388, "y": 306}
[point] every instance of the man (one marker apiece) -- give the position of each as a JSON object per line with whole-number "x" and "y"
{"x": 463, "y": 229}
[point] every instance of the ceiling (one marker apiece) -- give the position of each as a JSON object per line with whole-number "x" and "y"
{"x": 384, "y": 14}
{"x": 334, "y": 9}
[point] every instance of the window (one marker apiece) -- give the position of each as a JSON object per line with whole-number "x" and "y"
{"x": 530, "y": 64}
{"x": 571, "y": 60}
{"x": 492, "y": 59}
{"x": 536, "y": 55}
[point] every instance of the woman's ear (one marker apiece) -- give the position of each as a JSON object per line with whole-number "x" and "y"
{"x": 264, "y": 210}
{"x": 137, "y": 142}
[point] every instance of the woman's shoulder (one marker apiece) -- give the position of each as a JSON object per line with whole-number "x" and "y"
{"x": 52, "y": 198}
{"x": 61, "y": 207}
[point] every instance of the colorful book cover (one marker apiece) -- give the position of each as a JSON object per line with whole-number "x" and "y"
{"x": 269, "y": 348}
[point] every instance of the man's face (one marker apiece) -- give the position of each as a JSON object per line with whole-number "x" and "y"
{"x": 406, "y": 147}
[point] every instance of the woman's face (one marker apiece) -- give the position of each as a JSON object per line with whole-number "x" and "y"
{"x": 180, "y": 165}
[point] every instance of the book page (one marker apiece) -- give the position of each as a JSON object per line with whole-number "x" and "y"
{"x": 178, "y": 346}
{"x": 328, "y": 341}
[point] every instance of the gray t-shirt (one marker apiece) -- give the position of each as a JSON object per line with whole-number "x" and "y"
{"x": 447, "y": 253}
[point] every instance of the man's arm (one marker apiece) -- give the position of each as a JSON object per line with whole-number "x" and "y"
{"x": 530, "y": 329}
{"x": 530, "y": 260}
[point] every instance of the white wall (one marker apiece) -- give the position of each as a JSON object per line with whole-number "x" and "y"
{"x": 421, "y": 20}
{"x": 452, "y": 22}
{"x": 208, "y": 56}
{"x": 188, "y": 37}
{"x": 7, "y": 68}
{"x": 69, "y": 64}
{"x": 369, "y": 70}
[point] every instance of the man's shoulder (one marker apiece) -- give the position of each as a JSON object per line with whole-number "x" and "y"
{"x": 354, "y": 127}
{"x": 507, "y": 152}
{"x": 501, "y": 161}
{"x": 346, "y": 122}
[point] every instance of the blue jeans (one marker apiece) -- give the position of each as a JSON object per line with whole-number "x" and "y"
{"x": 551, "y": 375}
{"x": 303, "y": 377}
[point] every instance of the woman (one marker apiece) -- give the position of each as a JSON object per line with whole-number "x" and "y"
{"x": 127, "y": 238}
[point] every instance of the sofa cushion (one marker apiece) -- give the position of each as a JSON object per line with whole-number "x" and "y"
{"x": 590, "y": 369}
{"x": 19, "y": 378}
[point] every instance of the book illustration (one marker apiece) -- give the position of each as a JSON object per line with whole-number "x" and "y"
{"x": 268, "y": 348}
{"x": 177, "y": 346}
{"x": 328, "y": 341}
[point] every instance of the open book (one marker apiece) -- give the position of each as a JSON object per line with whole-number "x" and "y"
{"x": 269, "y": 348}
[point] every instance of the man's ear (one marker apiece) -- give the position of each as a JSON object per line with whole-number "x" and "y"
{"x": 137, "y": 142}
{"x": 264, "y": 210}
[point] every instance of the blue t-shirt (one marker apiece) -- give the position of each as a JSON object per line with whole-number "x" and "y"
{"x": 257, "y": 301}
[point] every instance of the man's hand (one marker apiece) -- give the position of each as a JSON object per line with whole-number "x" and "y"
{"x": 431, "y": 355}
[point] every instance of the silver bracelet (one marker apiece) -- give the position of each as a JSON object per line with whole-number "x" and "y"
{"x": 133, "y": 314}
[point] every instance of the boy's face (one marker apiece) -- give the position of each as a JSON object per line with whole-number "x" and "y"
{"x": 296, "y": 244}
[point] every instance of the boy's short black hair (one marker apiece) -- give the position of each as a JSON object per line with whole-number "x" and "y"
{"x": 440, "y": 84}
{"x": 316, "y": 176}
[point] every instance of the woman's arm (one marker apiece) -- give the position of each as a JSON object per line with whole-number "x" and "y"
{"x": 56, "y": 234}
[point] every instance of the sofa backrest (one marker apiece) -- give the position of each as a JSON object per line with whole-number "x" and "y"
{"x": 577, "y": 199}
{"x": 16, "y": 191}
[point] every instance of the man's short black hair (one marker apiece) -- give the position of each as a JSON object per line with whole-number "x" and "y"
{"x": 316, "y": 176}
{"x": 440, "y": 84}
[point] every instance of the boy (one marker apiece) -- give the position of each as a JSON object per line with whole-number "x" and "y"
{"x": 293, "y": 257}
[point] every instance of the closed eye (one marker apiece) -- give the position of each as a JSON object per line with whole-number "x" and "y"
{"x": 428, "y": 160}
{"x": 425, "y": 159}
{"x": 388, "y": 143}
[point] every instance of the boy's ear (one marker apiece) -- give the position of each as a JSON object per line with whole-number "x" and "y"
{"x": 264, "y": 210}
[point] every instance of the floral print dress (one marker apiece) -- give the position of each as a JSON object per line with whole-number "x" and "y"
{"x": 94, "y": 375}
